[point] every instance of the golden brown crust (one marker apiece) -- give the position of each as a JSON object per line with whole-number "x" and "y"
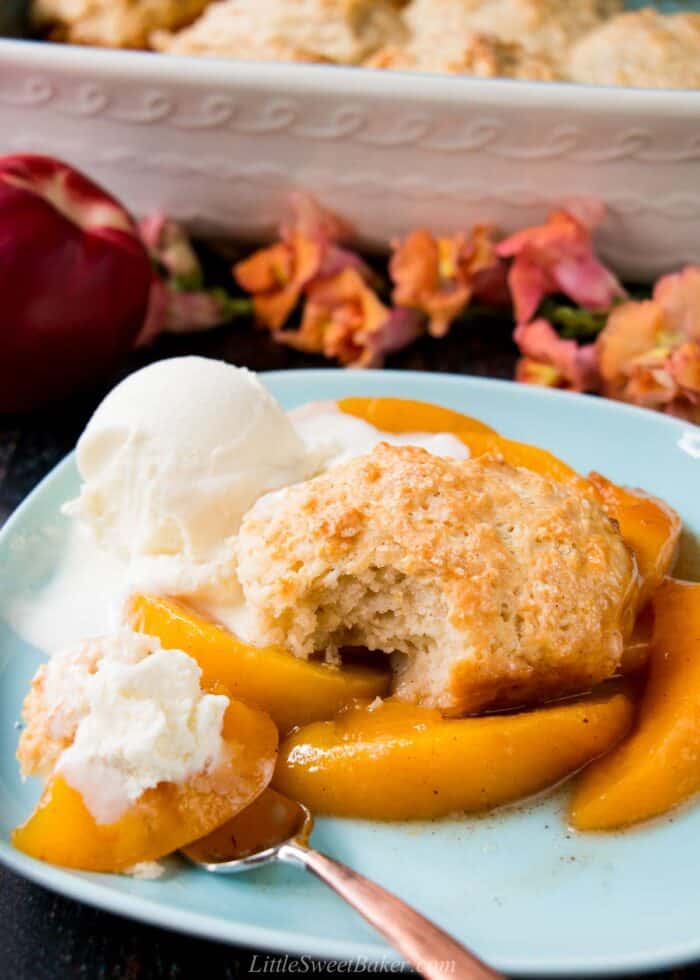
{"x": 543, "y": 26}
{"x": 342, "y": 31}
{"x": 589, "y": 41}
{"x": 496, "y": 585}
{"x": 478, "y": 55}
{"x": 113, "y": 23}
{"x": 642, "y": 47}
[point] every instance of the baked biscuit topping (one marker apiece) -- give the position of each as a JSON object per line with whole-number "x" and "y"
{"x": 546, "y": 26}
{"x": 642, "y": 47}
{"x": 113, "y": 23}
{"x": 545, "y": 40}
{"x": 492, "y": 585}
{"x": 342, "y": 31}
{"x": 480, "y": 55}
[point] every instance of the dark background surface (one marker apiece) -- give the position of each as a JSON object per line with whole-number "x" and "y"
{"x": 47, "y": 937}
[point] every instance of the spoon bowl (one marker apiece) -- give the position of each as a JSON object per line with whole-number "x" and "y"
{"x": 254, "y": 836}
{"x": 275, "y": 828}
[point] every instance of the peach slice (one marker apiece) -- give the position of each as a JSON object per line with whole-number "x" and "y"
{"x": 397, "y": 762}
{"x": 650, "y": 527}
{"x": 530, "y": 457}
{"x": 407, "y": 415}
{"x": 687, "y": 564}
{"x": 293, "y": 691}
{"x": 63, "y": 831}
{"x": 658, "y": 766}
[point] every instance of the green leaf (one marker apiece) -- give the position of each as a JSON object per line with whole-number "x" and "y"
{"x": 193, "y": 282}
{"x": 573, "y": 322}
{"x": 233, "y": 306}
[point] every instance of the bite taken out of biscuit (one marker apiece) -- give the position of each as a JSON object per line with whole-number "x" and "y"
{"x": 491, "y": 585}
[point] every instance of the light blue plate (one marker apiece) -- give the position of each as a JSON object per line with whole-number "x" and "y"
{"x": 518, "y": 887}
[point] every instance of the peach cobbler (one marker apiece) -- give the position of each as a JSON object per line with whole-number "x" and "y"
{"x": 432, "y": 618}
{"x": 489, "y": 585}
{"x": 589, "y": 41}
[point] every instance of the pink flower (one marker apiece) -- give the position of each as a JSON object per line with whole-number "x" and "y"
{"x": 178, "y": 302}
{"x": 399, "y": 330}
{"x": 170, "y": 248}
{"x": 549, "y": 360}
{"x": 174, "y": 311}
{"x": 557, "y": 257}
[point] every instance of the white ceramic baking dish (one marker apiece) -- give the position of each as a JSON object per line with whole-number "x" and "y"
{"x": 219, "y": 144}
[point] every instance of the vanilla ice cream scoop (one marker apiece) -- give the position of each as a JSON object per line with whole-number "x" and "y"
{"x": 177, "y": 453}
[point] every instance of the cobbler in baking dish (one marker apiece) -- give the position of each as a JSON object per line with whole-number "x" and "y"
{"x": 589, "y": 41}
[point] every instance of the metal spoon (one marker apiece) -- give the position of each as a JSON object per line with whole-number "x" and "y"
{"x": 275, "y": 828}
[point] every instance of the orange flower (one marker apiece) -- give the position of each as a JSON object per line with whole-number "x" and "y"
{"x": 530, "y": 372}
{"x": 557, "y": 257}
{"x": 277, "y": 276}
{"x": 630, "y": 333}
{"x": 678, "y": 295}
{"x": 551, "y": 361}
{"x": 439, "y": 276}
{"x": 684, "y": 368}
{"x": 649, "y": 352}
{"x": 345, "y": 319}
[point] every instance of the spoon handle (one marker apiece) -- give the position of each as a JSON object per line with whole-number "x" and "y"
{"x": 430, "y": 950}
